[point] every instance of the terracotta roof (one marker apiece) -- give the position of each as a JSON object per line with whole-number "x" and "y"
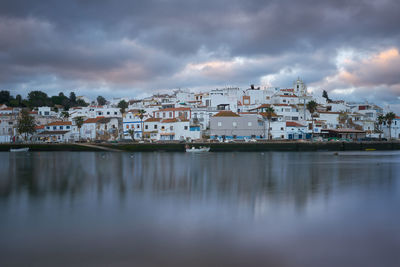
{"x": 7, "y": 108}
{"x": 263, "y": 106}
{"x": 153, "y": 119}
{"x": 38, "y": 127}
{"x": 167, "y": 133}
{"x": 288, "y": 95}
{"x": 264, "y": 114}
{"x": 287, "y": 90}
{"x": 56, "y": 123}
{"x": 169, "y": 120}
{"x": 53, "y": 132}
{"x": 173, "y": 109}
{"x": 294, "y": 124}
{"x": 93, "y": 120}
{"x": 226, "y": 113}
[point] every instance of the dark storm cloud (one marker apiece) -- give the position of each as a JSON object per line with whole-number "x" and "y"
{"x": 167, "y": 44}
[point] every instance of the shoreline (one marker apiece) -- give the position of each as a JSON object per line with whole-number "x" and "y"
{"x": 214, "y": 147}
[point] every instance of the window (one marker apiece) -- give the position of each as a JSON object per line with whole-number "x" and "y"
{"x": 282, "y": 136}
{"x": 146, "y": 127}
{"x": 54, "y": 127}
{"x": 61, "y": 127}
{"x": 219, "y": 124}
{"x": 234, "y": 136}
{"x": 155, "y": 126}
{"x": 137, "y": 126}
{"x": 10, "y": 123}
{"x": 68, "y": 127}
{"x": 234, "y": 124}
{"x": 281, "y": 128}
{"x": 185, "y": 127}
{"x": 162, "y": 128}
{"x": 170, "y": 114}
{"x": 249, "y": 124}
{"x": 127, "y": 126}
{"x": 171, "y": 127}
{"x": 163, "y": 114}
{"x": 108, "y": 112}
{"x": 115, "y": 113}
{"x": 48, "y": 128}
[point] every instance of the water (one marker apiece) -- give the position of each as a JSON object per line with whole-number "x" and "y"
{"x": 211, "y": 209}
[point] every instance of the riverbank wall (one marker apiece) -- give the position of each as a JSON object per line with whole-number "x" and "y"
{"x": 214, "y": 147}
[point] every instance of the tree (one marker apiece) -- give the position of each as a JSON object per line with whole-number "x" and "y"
{"x": 389, "y": 117}
{"x": 312, "y": 107}
{"x": 65, "y": 114}
{"x": 141, "y": 116}
{"x": 381, "y": 119}
{"x": 79, "y": 122}
{"x": 26, "y": 124}
{"x": 123, "y": 105}
{"x": 5, "y": 97}
{"x": 38, "y": 99}
{"x": 325, "y": 95}
{"x": 269, "y": 113}
{"x": 72, "y": 99}
{"x": 18, "y": 98}
{"x": 101, "y": 101}
{"x": 132, "y": 134}
{"x": 81, "y": 103}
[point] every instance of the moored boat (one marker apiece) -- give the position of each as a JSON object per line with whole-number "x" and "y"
{"x": 22, "y": 149}
{"x": 200, "y": 149}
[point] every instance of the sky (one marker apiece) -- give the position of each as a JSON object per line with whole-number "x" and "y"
{"x": 350, "y": 48}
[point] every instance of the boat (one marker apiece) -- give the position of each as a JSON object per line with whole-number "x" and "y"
{"x": 200, "y": 149}
{"x": 22, "y": 149}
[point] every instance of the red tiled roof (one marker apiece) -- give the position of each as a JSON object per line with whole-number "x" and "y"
{"x": 294, "y": 124}
{"x": 93, "y": 120}
{"x": 288, "y": 95}
{"x": 226, "y": 113}
{"x": 173, "y": 109}
{"x": 170, "y": 120}
{"x": 153, "y": 119}
{"x": 56, "y": 123}
{"x": 38, "y": 127}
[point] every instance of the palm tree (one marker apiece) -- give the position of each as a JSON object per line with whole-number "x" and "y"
{"x": 312, "y": 107}
{"x": 79, "y": 122}
{"x": 389, "y": 119}
{"x": 65, "y": 115}
{"x": 381, "y": 120}
{"x": 132, "y": 134}
{"x": 269, "y": 113}
{"x": 141, "y": 116}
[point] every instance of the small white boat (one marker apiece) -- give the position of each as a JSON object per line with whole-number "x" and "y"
{"x": 200, "y": 149}
{"x": 22, "y": 149}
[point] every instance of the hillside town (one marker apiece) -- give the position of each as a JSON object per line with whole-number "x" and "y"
{"x": 222, "y": 115}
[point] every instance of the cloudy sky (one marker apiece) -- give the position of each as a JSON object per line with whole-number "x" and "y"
{"x": 133, "y": 48}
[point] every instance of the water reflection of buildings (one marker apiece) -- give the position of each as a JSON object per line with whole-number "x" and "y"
{"x": 250, "y": 179}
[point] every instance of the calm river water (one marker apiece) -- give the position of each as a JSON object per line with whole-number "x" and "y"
{"x": 211, "y": 209}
